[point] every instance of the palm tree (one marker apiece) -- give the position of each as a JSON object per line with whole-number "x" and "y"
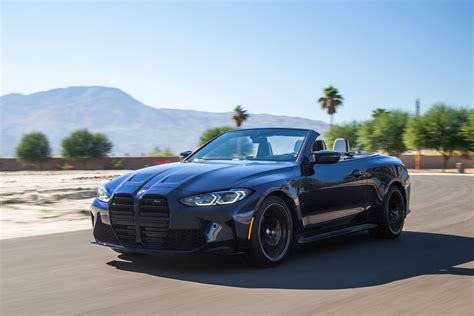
{"x": 378, "y": 112}
{"x": 240, "y": 115}
{"x": 330, "y": 101}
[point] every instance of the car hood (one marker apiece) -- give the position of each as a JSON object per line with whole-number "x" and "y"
{"x": 204, "y": 176}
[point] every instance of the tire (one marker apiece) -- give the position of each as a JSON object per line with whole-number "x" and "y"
{"x": 393, "y": 215}
{"x": 272, "y": 233}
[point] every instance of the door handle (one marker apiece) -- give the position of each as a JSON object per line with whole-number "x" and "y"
{"x": 357, "y": 173}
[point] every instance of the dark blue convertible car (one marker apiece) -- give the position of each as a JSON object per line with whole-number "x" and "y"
{"x": 254, "y": 192}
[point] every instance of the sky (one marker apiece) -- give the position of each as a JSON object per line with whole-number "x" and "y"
{"x": 272, "y": 57}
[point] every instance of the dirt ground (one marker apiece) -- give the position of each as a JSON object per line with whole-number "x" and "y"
{"x": 38, "y": 202}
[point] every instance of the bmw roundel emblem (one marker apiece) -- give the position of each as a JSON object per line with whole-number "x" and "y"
{"x": 141, "y": 192}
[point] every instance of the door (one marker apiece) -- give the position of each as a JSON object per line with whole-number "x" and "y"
{"x": 335, "y": 195}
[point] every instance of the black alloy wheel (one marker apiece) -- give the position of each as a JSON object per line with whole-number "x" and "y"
{"x": 393, "y": 215}
{"x": 272, "y": 233}
{"x": 396, "y": 210}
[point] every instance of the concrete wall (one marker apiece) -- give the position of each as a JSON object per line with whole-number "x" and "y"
{"x": 132, "y": 163}
{"x": 125, "y": 163}
{"x": 436, "y": 162}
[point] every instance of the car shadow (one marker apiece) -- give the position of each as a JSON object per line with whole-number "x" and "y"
{"x": 352, "y": 261}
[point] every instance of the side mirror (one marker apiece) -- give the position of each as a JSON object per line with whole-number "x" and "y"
{"x": 326, "y": 156}
{"x": 186, "y": 153}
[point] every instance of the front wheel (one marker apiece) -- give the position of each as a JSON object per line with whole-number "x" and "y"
{"x": 393, "y": 216}
{"x": 272, "y": 233}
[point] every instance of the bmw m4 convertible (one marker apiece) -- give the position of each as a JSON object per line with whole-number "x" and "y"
{"x": 254, "y": 192}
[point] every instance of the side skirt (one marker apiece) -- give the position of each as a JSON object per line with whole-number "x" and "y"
{"x": 307, "y": 238}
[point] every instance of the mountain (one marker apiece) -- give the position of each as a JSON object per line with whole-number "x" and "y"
{"x": 133, "y": 127}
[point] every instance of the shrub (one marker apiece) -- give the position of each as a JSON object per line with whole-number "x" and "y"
{"x": 157, "y": 152}
{"x": 33, "y": 147}
{"x": 82, "y": 144}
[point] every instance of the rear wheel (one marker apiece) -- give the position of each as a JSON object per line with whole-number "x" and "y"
{"x": 272, "y": 233}
{"x": 393, "y": 216}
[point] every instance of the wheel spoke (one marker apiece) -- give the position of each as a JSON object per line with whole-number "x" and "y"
{"x": 395, "y": 211}
{"x": 273, "y": 233}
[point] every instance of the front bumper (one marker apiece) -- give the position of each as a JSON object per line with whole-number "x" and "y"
{"x": 222, "y": 229}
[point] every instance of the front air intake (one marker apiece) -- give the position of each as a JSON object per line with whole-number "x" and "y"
{"x": 122, "y": 218}
{"x": 145, "y": 224}
{"x": 153, "y": 214}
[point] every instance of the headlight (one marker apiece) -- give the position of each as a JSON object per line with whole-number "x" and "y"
{"x": 216, "y": 198}
{"x": 103, "y": 195}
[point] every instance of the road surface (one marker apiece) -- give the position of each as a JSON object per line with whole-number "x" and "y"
{"x": 429, "y": 269}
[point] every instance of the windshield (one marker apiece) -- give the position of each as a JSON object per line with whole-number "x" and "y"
{"x": 255, "y": 144}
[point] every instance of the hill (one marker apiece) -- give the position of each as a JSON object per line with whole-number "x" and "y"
{"x": 132, "y": 126}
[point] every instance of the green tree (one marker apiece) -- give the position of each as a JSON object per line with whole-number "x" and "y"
{"x": 33, "y": 147}
{"x": 468, "y": 130}
{"x": 240, "y": 115}
{"x": 330, "y": 101}
{"x": 348, "y": 131}
{"x": 366, "y": 136}
{"x": 82, "y": 144}
{"x": 384, "y": 132}
{"x": 441, "y": 129}
{"x": 213, "y": 132}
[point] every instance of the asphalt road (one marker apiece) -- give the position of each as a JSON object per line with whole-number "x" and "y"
{"x": 428, "y": 270}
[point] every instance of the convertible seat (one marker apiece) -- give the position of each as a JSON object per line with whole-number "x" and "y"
{"x": 264, "y": 149}
{"x": 297, "y": 146}
{"x": 341, "y": 145}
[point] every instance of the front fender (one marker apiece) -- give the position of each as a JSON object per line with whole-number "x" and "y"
{"x": 380, "y": 181}
{"x": 289, "y": 194}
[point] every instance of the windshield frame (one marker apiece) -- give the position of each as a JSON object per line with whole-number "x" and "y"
{"x": 310, "y": 134}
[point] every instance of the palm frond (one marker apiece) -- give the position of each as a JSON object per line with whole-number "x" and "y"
{"x": 331, "y": 100}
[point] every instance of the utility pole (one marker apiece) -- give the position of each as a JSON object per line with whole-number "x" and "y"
{"x": 418, "y": 151}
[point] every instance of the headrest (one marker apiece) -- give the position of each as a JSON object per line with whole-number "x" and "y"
{"x": 319, "y": 144}
{"x": 341, "y": 145}
{"x": 297, "y": 146}
{"x": 264, "y": 149}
